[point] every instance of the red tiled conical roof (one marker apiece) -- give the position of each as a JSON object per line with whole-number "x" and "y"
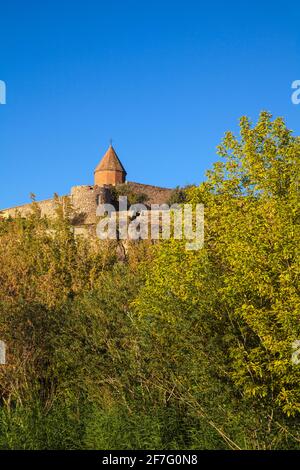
{"x": 110, "y": 161}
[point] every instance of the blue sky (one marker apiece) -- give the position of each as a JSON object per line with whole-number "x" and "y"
{"x": 163, "y": 79}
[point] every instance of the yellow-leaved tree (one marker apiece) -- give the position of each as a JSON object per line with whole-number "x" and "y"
{"x": 223, "y": 320}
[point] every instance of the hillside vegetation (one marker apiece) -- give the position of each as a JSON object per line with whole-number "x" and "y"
{"x": 171, "y": 349}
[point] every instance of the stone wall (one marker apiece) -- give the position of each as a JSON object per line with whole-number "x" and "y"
{"x": 47, "y": 208}
{"x": 84, "y": 200}
{"x": 156, "y": 194}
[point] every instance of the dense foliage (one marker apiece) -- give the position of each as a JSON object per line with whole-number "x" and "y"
{"x": 169, "y": 349}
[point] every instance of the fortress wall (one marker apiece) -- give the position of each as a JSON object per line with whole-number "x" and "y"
{"x": 47, "y": 208}
{"x": 156, "y": 194}
{"x": 85, "y": 199}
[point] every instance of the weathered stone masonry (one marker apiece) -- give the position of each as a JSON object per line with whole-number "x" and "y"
{"x": 84, "y": 199}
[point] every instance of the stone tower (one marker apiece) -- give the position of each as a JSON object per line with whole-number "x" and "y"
{"x": 110, "y": 170}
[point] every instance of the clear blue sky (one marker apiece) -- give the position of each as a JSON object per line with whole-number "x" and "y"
{"x": 164, "y": 79}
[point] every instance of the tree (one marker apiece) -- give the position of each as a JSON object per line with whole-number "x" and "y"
{"x": 223, "y": 320}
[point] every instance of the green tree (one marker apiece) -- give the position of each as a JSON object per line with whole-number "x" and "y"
{"x": 221, "y": 321}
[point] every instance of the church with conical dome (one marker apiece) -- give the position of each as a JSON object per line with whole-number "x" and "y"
{"x": 110, "y": 169}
